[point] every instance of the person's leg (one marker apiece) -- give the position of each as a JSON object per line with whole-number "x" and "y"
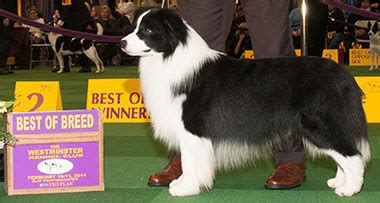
{"x": 212, "y": 19}
{"x": 269, "y": 27}
{"x": 336, "y": 40}
{"x": 270, "y": 32}
{"x": 5, "y": 47}
{"x": 85, "y": 63}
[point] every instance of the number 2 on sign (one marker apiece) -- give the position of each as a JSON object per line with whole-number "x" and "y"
{"x": 40, "y": 100}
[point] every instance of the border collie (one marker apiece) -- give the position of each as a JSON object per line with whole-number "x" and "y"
{"x": 374, "y": 43}
{"x": 64, "y": 45}
{"x": 220, "y": 113}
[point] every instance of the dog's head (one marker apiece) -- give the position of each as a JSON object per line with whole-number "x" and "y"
{"x": 373, "y": 28}
{"x": 158, "y": 31}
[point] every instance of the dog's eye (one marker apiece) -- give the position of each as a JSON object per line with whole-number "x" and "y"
{"x": 147, "y": 31}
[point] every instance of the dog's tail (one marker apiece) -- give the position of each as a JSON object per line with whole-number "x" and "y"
{"x": 99, "y": 29}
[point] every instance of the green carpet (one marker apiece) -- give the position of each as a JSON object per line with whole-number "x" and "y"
{"x": 131, "y": 155}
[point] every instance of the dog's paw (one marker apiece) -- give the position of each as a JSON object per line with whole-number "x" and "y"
{"x": 97, "y": 71}
{"x": 181, "y": 187}
{"x": 60, "y": 71}
{"x": 335, "y": 183}
{"x": 346, "y": 191}
{"x": 349, "y": 189}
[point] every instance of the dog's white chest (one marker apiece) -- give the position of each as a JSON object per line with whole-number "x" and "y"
{"x": 165, "y": 109}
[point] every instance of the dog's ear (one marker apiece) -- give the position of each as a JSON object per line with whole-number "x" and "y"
{"x": 369, "y": 26}
{"x": 140, "y": 11}
{"x": 174, "y": 24}
{"x": 375, "y": 28}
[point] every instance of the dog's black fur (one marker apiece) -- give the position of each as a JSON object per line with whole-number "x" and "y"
{"x": 259, "y": 100}
{"x": 72, "y": 44}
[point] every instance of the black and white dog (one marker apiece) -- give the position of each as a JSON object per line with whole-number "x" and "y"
{"x": 64, "y": 45}
{"x": 220, "y": 112}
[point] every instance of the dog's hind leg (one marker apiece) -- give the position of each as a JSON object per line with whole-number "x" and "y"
{"x": 345, "y": 141}
{"x": 338, "y": 181}
{"x": 353, "y": 171}
{"x": 100, "y": 62}
{"x": 377, "y": 60}
{"x": 91, "y": 54}
{"x": 198, "y": 166}
{"x": 372, "y": 55}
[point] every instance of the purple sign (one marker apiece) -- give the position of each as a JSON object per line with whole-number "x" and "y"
{"x": 55, "y": 122}
{"x": 56, "y": 165}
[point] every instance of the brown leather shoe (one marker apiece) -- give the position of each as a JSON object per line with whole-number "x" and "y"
{"x": 286, "y": 176}
{"x": 171, "y": 172}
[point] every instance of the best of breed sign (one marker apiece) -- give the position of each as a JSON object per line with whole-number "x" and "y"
{"x": 120, "y": 100}
{"x": 57, "y": 152}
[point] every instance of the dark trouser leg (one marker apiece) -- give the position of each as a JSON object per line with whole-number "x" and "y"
{"x": 212, "y": 19}
{"x": 85, "y": 63}
{"x": 66, "y": 64}
{"x": 5, "y": 47}
{"x": 269, "y": 27}
{"x": 291, "y": 151}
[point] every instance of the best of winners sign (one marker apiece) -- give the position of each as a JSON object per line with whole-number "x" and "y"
{"x": 56, "y": 152}
{"x": 120, "y": 100}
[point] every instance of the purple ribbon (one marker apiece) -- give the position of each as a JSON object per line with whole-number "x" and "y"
{"x": 353, "y": 9}
{"x": 63, "y": 31}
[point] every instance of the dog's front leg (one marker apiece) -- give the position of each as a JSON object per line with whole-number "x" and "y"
{"x": 198, "y": 166}
{"x": 61, "y": 63}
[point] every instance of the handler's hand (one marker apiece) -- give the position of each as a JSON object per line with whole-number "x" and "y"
{"x": 6, "y": 22}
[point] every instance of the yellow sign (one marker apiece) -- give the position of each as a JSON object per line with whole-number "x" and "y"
{"x": 37, "y": 96}
{"x": 327, "y": 53}
{"x": 120, "y": 100}
{"x": 248, "y": 54}
{"x": 371, "y": 100}
{"x": 331, "y": 54}
{"x": 360, "y": 57}
{"x": 298, "y": 52}
{"x": 66, "y": 2}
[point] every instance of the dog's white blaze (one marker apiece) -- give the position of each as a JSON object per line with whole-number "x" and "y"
{"x": 135, "y": 46}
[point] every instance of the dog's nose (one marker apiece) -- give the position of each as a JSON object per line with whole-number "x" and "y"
{"x": 123, "y": 43}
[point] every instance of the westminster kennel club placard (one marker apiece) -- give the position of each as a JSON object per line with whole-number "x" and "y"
{"x": 56, "y": 152}
{"x": 120, "y": 100}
